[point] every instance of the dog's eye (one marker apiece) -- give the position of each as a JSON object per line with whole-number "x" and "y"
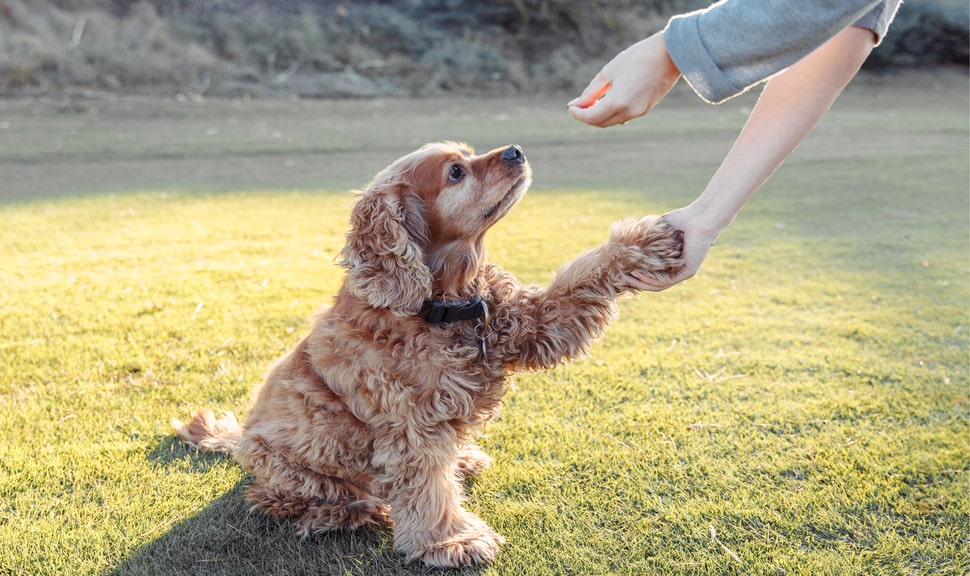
{"x": 455, "y": 174}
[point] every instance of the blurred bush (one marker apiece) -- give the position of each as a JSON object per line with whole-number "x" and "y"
{"x": 369, "y": 47}
{"x": 924, "y": 33}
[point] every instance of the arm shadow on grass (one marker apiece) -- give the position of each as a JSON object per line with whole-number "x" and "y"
{"x": 226, "y": 538}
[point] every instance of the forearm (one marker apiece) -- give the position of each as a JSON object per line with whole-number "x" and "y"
{"x": 790, "y": 106}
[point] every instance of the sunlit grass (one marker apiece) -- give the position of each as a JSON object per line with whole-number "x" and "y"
{"x": 798, "y": 408}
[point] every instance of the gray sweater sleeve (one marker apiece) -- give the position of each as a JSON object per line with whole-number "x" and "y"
{"x": 726, "y": 48}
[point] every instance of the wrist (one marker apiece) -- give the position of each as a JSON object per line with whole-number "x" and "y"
{"x": 672, "y": 71}
{"x": 706, "y": 220}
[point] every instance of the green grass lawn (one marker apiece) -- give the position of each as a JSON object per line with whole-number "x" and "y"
{"x": 800, "y": 407}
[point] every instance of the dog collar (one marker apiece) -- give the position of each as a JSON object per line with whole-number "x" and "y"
{"x": 442, "y": 312}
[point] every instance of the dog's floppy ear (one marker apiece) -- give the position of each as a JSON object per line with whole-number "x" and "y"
{"x": 384, "y": 261}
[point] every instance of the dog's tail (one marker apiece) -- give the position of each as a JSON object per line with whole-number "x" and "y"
{"x": 207, "y": 433}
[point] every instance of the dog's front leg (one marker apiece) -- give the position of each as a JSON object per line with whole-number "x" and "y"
{"x": 420, "y": 481}
{"x": 579, "y": 304}
{"x": 648, "y": 245}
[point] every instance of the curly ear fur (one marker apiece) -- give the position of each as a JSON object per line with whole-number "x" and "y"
{"x": 384, "y": 262}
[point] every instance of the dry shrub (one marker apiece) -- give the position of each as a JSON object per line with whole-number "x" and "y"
{"x": 91, "y": 48}
{"x": 368, "y": 47}
{"x": 930, "y": 32}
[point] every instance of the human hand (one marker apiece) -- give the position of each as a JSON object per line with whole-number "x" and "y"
{"x": 698, "y": 240}
{"x": 630, "y": 85}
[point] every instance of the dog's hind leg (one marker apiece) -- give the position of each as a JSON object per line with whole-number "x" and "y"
{"x": 319, "y": 504}
{"x": 346, "y": 515}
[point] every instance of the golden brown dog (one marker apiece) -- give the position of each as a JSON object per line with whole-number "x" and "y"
{"x": 372, "y": 418}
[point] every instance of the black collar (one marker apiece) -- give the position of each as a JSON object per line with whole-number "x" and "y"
{"x": 441, "y": 312}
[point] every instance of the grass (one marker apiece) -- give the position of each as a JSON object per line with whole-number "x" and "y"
{"x": 801, "y": 407}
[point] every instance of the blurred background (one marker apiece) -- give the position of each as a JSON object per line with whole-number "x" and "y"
{"x": 370, "y": 48}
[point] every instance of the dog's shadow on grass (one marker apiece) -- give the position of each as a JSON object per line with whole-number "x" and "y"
{"x": 225, "y": 537}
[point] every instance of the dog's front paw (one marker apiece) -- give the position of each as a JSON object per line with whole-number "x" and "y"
{"x": 469, "y": 548}
{"x": 470, "y": 542}
{"x": 659, "y": 246}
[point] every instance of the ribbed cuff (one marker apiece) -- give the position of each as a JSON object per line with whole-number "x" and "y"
{"x": 687, "y": 50}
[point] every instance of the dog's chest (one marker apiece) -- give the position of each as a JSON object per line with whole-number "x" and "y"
{"x": 412, "y": 355}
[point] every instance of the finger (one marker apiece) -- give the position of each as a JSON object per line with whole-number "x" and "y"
{"x": 592, "y": 93}
{"x": 589, "y": 116}
{"x": 606, "y": 112}
{"x": 602, "y": 115}
{"x": 638, "y": 284}
{"x": 661, "y": 281}
{"x": 615, "y": 119}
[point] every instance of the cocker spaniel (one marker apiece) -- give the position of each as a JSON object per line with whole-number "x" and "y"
{"x": 372, "y": 418}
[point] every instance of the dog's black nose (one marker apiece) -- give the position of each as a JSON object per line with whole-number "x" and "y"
{"x": 513, "y": 154}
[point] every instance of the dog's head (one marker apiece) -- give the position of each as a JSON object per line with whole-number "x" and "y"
{"x": 418, "y": 229}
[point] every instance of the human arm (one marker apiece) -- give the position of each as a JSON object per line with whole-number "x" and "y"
{"x": 725, "y": 49}
{"x": 791, "y": 105}
{"x": 722, "y": 51}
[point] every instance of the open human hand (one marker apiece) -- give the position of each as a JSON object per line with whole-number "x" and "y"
{"x": 698, "y": 241}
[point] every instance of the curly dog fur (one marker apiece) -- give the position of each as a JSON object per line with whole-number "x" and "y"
{"x": 372, "y": 417}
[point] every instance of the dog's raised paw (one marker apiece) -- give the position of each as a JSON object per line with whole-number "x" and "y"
{"x": 660, "y": 245}
{"x": 661, "y": 241}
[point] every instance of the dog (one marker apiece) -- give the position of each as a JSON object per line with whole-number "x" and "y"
{"x": 372, "y": 418}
